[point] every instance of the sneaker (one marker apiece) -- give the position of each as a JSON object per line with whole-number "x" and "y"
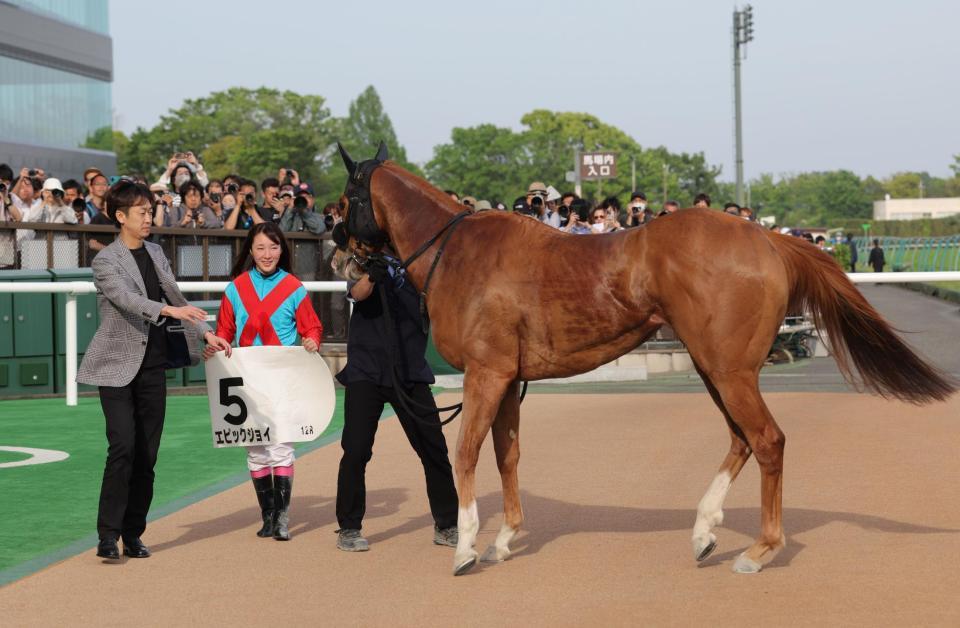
{"x": 446, "y": 536}
{"x": 351, "y": 541}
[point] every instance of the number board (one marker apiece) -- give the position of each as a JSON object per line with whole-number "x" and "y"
{"x": 268, "y": 395}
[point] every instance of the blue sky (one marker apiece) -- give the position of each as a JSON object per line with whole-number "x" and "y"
{"x": 870, "y": 87}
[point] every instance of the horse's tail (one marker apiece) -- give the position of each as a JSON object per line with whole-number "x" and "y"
{"x": 856, "y": 331}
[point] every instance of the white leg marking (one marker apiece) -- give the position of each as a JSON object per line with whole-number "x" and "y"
{"x": 710, "y": 513}
{"x": 513, "y": 434}
{"x": 500, "y": 550}
{"x": 468, "y": 525}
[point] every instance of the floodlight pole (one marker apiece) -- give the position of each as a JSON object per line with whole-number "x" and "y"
{"x": 742, "y": 33}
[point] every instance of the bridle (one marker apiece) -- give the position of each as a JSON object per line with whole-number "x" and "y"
{"x": 361, "y": 225}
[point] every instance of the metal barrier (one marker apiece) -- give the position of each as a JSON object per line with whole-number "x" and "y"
{"x": 75, "y": 288}
{"x": 918, "y": 254}
{"x": 194, "y": 255}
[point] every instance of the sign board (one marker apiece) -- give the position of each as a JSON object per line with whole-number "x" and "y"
{"x": 268, "y": 395}
{"x": 595, "y": 166}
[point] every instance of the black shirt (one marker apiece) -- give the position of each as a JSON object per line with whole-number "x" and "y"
{"x": 156, "y": 353}
{"x": 102, "y": 219}
{"x": 368, "y": 358}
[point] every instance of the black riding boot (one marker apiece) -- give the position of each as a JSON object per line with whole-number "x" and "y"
{"x": 264, "y": 488}
{"x": 282, "y": 488}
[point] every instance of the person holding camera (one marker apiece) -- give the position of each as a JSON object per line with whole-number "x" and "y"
{"x": 369, "y": 381}
{"x": 181, "y": 167}
{"x": 127, "y": 360}
{"x": 54, "y": 209}
{"x": 8, "y": 213}
{"x": 265, "y": 304}
{"x": 26, "y": 201}
{"x": 25, "y": 191}
{"x": 246, "y": 213}
{"x": 302, "y": 217}
{"x": 638, "y": 213}
{"x": 213, "y": 212}
{"x": 272, "y": 208}
{"x": 578, "y": 217}
{"x": 190, "y": 212}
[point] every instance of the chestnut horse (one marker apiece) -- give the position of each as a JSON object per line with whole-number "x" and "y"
{"x": 515, "y": 300}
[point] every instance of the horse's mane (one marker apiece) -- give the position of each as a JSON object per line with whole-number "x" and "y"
{"x": 422, "y": 188}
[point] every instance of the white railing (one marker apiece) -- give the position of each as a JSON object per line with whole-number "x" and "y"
{"x": 74, "y": 288}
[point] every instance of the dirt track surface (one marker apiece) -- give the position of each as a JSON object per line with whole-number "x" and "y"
{"x": 610, "y": 486}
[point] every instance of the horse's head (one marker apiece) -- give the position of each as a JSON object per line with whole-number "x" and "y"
{"x": 358, "y": 234}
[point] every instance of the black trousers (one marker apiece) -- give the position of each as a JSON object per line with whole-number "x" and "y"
{"x": 134, "y": 415}
{"x": 363, "y": 404}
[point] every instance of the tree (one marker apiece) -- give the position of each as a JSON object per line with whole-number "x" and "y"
{"x": 250, "y": 131}
{"x": 811, "y": 198}
{"x": 496, "y": 163}
{"x": 485, "y": 161}
{"x": 105, "y": 138}
{"x": 366, "y": 125}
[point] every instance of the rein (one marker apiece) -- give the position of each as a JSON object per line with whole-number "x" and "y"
{"x": 449, "y": 228}
{"x": 406, "y": 401}
{"x": 361, "y": 223}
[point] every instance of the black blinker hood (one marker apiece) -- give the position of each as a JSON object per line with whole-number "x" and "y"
{"x": 361, "y": 223}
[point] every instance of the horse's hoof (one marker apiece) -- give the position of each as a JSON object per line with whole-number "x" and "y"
{"x": 461, "y": 568}
{"x": 494, "y": 555}
{"x": 745, "y": 564}
{"x": 701, "y": 550}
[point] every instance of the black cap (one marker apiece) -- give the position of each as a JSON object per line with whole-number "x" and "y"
{"x": 639, "y": 195}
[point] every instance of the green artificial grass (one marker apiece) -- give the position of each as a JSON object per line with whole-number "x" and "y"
{"x": 49, "y": 507}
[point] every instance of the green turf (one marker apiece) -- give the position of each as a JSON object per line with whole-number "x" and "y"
{"x": 12, "y": 456}
{"x": 51, "y": 506}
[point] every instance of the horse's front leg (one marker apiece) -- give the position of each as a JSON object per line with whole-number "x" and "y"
{"x": 482, "y": 392}
{"x": 506, "y": 442}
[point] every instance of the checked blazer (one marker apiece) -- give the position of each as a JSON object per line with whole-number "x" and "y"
{"x": 117, "y": 349}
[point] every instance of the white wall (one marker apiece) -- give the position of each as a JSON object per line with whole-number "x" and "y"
{"x": 913, "y": 208}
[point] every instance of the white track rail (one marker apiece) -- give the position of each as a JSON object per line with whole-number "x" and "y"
{"x": 74, "y": 288}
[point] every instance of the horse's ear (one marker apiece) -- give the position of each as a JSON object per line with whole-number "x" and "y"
{"x": 382, "y": 152}
{"x": 349, "y": 163}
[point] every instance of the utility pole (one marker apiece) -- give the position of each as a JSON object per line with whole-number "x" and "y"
{"x": 666, "y": 170}
{"x": 742, "y": 33}
{"x": 577, "y": 186}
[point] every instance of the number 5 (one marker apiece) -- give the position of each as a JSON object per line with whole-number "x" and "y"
{"x": 226, "y": 399}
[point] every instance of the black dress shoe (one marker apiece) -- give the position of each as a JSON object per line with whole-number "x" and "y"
{"x": 107, "y": 548}
{"x": 134, "y": 548}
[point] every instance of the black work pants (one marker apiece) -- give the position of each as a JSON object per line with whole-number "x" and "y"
{"x": 134, "y": 415}
{"x": 363, "y": 405}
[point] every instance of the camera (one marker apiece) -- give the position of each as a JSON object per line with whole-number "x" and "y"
{"x": 3, "y": 188}
{"x": 300, "y": 203}
{"x": 215, "y": 197}
{"x": 328, "y": 221}
{"x": 233, "y": 188}
{"x": 57, "y": 194}
{"x": 79, "y": 205}
{"x": 31, "y": 172}
{"x": 536, "y": 201}
{"x": 248, "y": 198}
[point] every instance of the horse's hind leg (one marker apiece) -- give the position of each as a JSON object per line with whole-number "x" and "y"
{"x": 710, "y": 509}
{"x": 741, "y": 397}
{"x": 506, "y": 442}
{"x": 483, "y": 391}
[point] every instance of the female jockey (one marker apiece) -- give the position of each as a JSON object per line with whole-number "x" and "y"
{"x": 269, "y": 306}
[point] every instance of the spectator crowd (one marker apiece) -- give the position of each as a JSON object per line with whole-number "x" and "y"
{"x": 187, "y": 197}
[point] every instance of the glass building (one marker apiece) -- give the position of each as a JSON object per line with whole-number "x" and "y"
{"x": 56, "y": 66}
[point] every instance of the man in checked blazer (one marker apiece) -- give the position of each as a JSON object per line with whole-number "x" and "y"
{"x": 127, "y": 357}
